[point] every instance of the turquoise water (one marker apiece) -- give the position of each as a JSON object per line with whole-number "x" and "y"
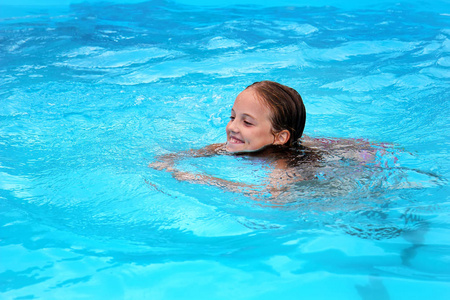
{"x": 91, "y": 93}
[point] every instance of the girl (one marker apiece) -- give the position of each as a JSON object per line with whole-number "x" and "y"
{"x": 267, "y": 122}
{"x": 265, "y": 113}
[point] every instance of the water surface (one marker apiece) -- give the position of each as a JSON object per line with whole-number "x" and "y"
{"x": 91, "y": 93}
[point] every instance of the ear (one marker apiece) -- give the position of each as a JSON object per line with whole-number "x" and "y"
{"x": 282, "y": 137}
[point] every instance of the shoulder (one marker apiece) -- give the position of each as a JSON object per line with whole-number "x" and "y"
{"x": 216, "y": 147}
{"x": 361, "y": 150}
{"x": 209, "y": 150}
{"x": 334, "y": 143}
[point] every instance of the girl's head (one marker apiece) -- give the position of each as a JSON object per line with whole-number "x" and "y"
{"x": 265, "y": 113}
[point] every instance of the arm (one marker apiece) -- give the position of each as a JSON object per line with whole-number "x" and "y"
{"x": 359, "y": 150}
{"x": 280, "y": 177}
{"x": 214, "y": 181}
{"x": 167, "y": 163}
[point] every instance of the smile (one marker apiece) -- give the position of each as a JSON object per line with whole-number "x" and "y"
{"x": 234, "y": 140}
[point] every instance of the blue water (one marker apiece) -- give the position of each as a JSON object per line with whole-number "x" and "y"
{"x": 91, "y": 92}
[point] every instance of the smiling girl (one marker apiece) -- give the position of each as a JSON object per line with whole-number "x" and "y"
{"x": 265, "y": 113}
{"x": 267, "y": 122}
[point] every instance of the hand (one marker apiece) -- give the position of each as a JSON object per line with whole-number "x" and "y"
{"x": 161, "y": 165}
{"x": 186, "y": 176}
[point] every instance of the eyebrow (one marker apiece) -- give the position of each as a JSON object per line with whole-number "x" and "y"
{"x": 245, "y": 115}
{"x": 250, "y": 116}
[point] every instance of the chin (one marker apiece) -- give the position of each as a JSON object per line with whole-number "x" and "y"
{"x": 234, "y": 148}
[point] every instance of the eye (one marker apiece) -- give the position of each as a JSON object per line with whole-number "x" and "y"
{"x": 232, "y": 118}
{"x": 248, "y": 123}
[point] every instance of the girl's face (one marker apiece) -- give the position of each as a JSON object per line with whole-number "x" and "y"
{"x": 250, "y": 127}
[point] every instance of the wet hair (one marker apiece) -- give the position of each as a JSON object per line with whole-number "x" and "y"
{"x": 287, "y": 109}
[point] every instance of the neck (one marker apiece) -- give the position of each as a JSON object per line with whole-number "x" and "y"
{"x": 266, "y": 150}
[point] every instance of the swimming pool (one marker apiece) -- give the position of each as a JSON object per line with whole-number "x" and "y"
{"x": 92, "y": 92}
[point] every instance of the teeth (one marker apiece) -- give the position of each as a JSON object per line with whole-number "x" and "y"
{"x": 235, "y": 140}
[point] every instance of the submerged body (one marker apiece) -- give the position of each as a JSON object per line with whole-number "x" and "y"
{"x": 313, "y": 158}
{"x": 267, "y": 122}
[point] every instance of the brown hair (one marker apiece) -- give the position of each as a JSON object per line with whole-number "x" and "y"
{"x": 286, "y": 105}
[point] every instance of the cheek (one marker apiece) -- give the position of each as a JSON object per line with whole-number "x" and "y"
{"x": 265, "y": 134}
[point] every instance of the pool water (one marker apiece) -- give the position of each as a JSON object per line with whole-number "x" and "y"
{"x": 92, "y": 92}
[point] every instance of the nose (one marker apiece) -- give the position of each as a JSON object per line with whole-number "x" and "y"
{"x": 232, "y": 126}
